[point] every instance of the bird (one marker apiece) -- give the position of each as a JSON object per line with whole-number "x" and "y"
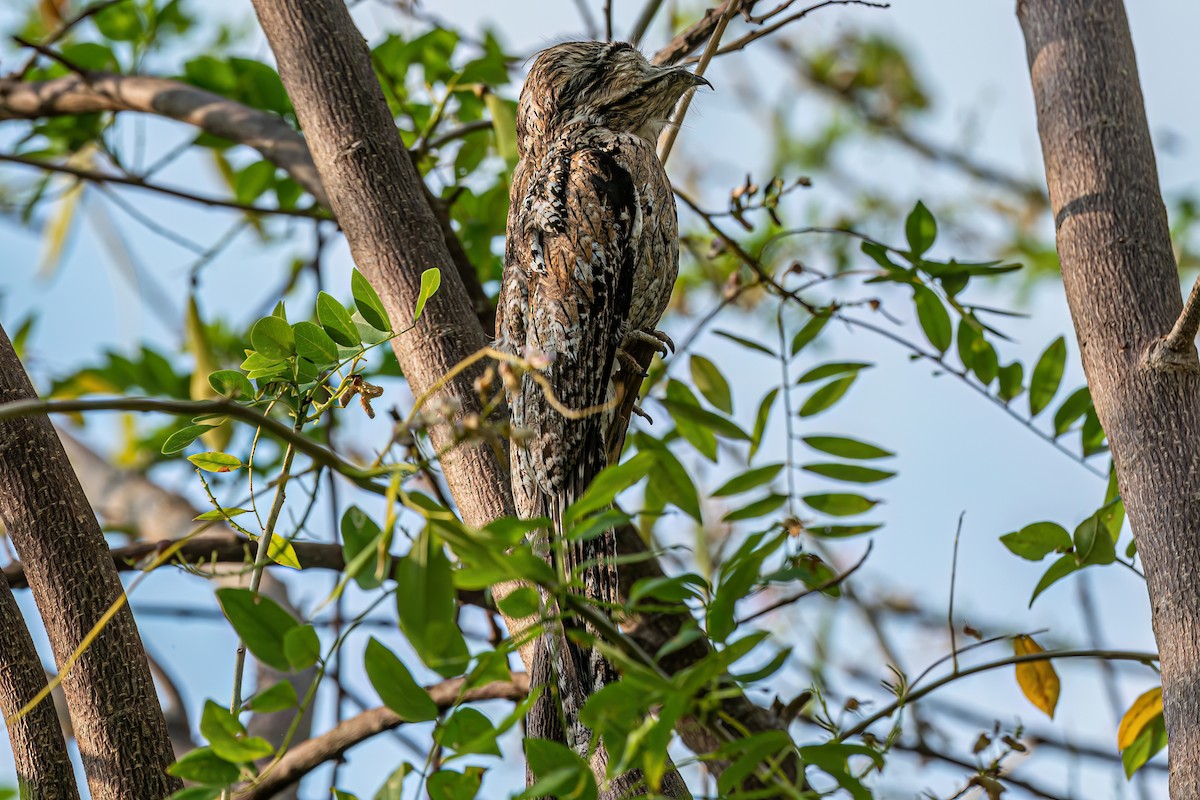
{"x": 591, "y": 258}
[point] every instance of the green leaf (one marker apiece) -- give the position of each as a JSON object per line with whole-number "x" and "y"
{"x": 119, "y": 22}
{"x": 760, "y": 420}
{"x": 749, "y": 344}
{"x": 832, "y": 369}
{"x": 1060, "y": 569}
{"x": 183, "y": 437}
{"x": 468, "y": 730}
{"x": 920, "y": 229}
{"x": 368, "y": 303}
{"x": 853, "y": 473}
{"x": 605, "y": 487}
{"x": 431, "y": 279}
{"x": 1035, "y": 542}
{"x": 756, "y": 509}
{"x": 428, "y": 608}
{"x": 750, "y": 479}
{"x": 934, "y": 319}
{"x": 827, "y": 395}
{"x": 674, "y": 484}
{"x": 272, "y": 338}
{"x": 1011, "y": 378}
{"x": 336, "y": 321}
{"x": 216, "y": 462}
{"x": 360, "y": 533}
{"x": 839, "y": 504}
{"x": 840, "y": 531}
{"x": 192, "y": 793}
{"x": 396, "y": 686}
{"x": 220, "y": 513}
{"x": 1074, "y": 407}
{"x": 392, "y": 788}
{"x": 227, "y": 737}
{"x": 711, "y": 383}
{"x": 204, "y": 766}
{"x": 711, "y": 420}
{"x": 277, "y": 697}
{"x": 314, "y": 344}
{"x": 231, "y": 383}
{"x": 302, "y": 647}
{"x": 561, "y": 773}
{"x": 1150, "y": 741}
{"x": 695, "y": 434}
{"x": 257, "y": 362}
{"x": 520, "y": 603}
{"x": 1047, "y": 375}
{"x": 260, "y": 622}
{"x": 844, "y": 447}
{"x": 808, "y": 333}
{"x": 1093, "y": 543}
{"x": 250, "y": 183}
{"x": 447, "y": 784}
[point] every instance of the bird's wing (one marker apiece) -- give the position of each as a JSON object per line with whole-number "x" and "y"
{"x": 580, "y": 225}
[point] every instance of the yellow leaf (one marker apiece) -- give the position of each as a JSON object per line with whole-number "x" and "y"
{"x": 505, "y": 126}
{"x": 1037, "y": 679}
{"x": 1144, "y": 711}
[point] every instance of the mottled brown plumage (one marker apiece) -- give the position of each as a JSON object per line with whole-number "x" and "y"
{"x": 591, "y": 258}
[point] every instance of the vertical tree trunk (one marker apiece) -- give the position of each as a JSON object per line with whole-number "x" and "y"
{"x": 1123, "y": 289}
{"x": 119, "y": 726}
{"x": 44, "y": 769}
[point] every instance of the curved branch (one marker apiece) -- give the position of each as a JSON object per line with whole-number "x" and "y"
{"x": 93, "y": 92}
{"x": 917, "y": 694}
{"x": 304, "y": 758}
{"x": 269, "y": 134}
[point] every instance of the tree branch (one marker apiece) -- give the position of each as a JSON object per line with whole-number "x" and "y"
{"x": 268, "y": 133}
{"x": 304, "y": 758}
{"x": 53, "y": 528}
{"x": 39, "y": 751}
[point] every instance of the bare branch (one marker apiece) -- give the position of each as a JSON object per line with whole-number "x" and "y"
{"x": 103, "y": 178}
{"x": 304, "y": 758}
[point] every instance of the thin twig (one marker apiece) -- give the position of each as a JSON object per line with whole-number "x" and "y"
{"x": 836, "y": 580}
{"x": 741, "y": 43}
{"x": 672, "y": 130}
{"x": 62, "y": 30}
{"x": 912, "y": 696}
{"x": 138, "y": 183}
{"x": 953, "y": 580}
{"x": 644, "y": 20}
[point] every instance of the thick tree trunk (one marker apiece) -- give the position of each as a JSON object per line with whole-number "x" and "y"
{"x": 39, "y": 751}
{"x": 1123, "y": 288}
{"x": 119, "y": 726}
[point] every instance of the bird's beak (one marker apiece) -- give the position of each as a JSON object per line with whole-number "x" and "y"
{"x": 699, "y": 80}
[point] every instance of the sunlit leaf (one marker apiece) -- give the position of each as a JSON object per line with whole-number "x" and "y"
{"x": 1144, "y": 711}
{"x": 1038, "y": 679}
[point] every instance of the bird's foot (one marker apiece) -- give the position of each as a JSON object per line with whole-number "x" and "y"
{"x": 656, "y": 339}
{"x": 629, "y": 363}
{"x": 638, "y": 410}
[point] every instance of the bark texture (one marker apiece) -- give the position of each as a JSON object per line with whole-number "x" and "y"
{"x": 43, "y": 767}
{"x": 1123, "y": 288}
{"x": 119, "y": 726}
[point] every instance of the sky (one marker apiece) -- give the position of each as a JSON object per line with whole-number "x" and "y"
{"x": 958, "y": 454}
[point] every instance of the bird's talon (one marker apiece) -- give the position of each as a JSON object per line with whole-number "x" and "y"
{"x": 638, "y": 410}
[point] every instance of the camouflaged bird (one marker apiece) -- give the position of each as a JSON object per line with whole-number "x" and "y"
{"x": 591, "y": 258}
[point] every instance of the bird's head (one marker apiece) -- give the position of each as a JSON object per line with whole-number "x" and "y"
{"x": 608, "y": 82}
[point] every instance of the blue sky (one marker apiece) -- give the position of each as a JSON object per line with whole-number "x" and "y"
{"x": 971, "y": 55}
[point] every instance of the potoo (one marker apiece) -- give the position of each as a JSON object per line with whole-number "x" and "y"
{"x": 591, "y": 258}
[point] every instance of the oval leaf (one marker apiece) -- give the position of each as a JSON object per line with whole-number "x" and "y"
{"x": 396, "y": 686}
{"x": 711, "y": 383}
{"x": 273, "y": 338}
{"x": 1143, "y": 712}
{"x": 431, "y": 279}
{"x": 844, "y": 447}
{"x": 336, "y": 321}
{"x": 1037, "y": 679}
{"x": 368, "y": 303}
{"x": 827, "y": 395}
{"x": 1047, "y": 375}
{"x": 839, "y": 504}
